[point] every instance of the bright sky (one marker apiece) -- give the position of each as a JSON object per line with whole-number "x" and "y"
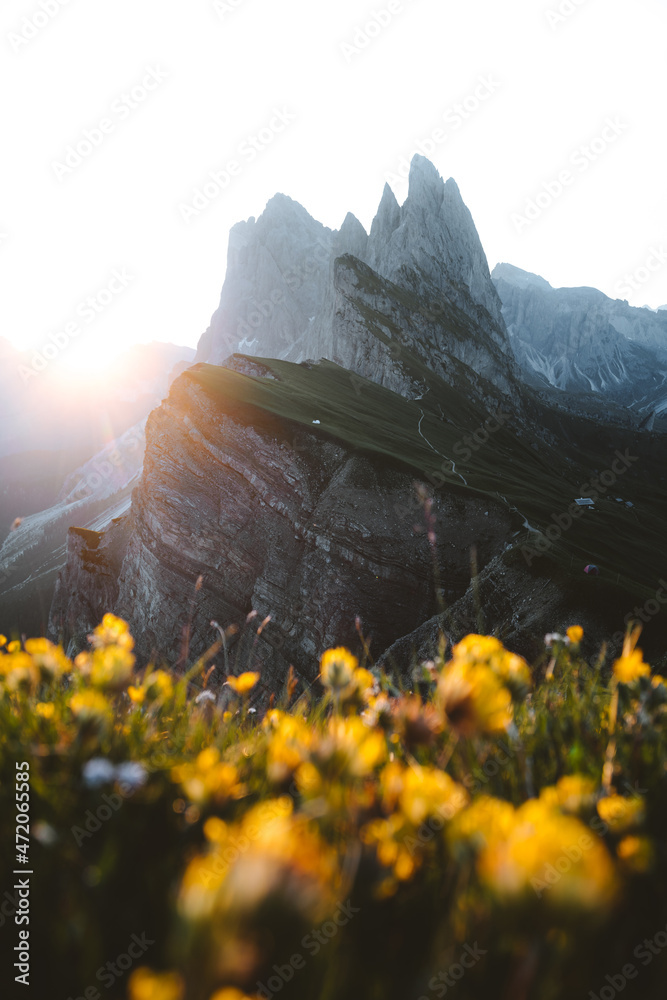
{"x": 319, "y": 99}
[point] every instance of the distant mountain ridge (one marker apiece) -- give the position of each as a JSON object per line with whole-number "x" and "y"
{"x": 579, "y": 340}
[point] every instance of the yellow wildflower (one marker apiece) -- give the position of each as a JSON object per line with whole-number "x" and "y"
{"x": 46, "y": 710}
{"x": 230, "y": 993}
{"x": 429, "y": 792}
{"x": 575, "y": 634}
{"x": 146, "y": 985}
{"x": 557, "y": 857}
{"x": 20, "y": 671}
{"x": 350, "y": 748}
{"x": 107, "y": 667}
{"x": 636, "y": 853}
{"x": 208, "y": 777}
{"x": 112, "y": 632}
{"x": 486, "y": 820}
{"x": 389, "y": 838}
{"x": 620, "y": 813}
{"x": 572, "y": 794}
{"x": 630, "y": 667}
{"x": 50, "y": 659}
{"x": 289, "y": 741}
{"x": 89, "y": 706}
{"x": 337, "y": 667}
{"x": 158, "y": 686}
{"x": 243, "y": 683}
{"x": 136, "y": 694}
{"x": 489, "y": 651}
{"x": 473, "y": 699}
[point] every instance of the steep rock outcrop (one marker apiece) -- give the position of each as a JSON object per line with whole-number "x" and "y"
{"x": 278, "y": 519}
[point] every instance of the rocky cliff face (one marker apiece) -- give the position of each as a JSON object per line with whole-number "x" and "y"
{"x": 581, "y": 341}
{"x": 277, "y": 519}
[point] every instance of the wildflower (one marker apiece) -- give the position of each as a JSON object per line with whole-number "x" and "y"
{"x": 89, "y": 706}
{"x": 636, "y": 853}
{"x": 428, "y": 792}
{"x": 50, "y": 660}
{"x": 290, "y": 739}
{"x": 3, "y": 641}
{"x": 572, "y": 794}
{"x": 511, "y": 670}
{"x": 131, "y": 773}
{"x": 230, "y": 993}
{"x": 44, "y": 833}
{"x": 554, "y": 638}
{"x": 45, "y": 710}
{"x": 630, "y": 667}
{"x": 107, "y": 667}
{"x": 112, "y": 632}
{"x": 337, "y": 667}
{"x": 473, "y": 699}
{"x": 575, "y": 634}
{"x": 554, "y": 855}
{"x": 205, "y": 696}
{"x": 417, "y": 724}
{"x": 208, "y": 777}
{"x": 136, "y": 694}
{"x": 146, "y": 985}
{"x": 97, "y": 772}
{"x": 19, "y": 670}
{"x": 356, "y": 695}
{"x": 388, "y": 837}
{"x": 485, "y": 821}
{"x": 620, "y": 813}
{"x": 350, "y": 748}
{"x": 158, "y": 686}
{"x": 243, "y": 683}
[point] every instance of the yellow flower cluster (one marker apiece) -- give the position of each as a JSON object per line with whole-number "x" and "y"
{"x": 208, "y": 778}
{"x": 110, "y": 664}
{"x": 476, "y": 686}
{"x": 538, "y": 851}
{"x": 372, "y": 792}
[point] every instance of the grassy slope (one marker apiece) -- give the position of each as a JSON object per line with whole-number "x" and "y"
{"x": 626, "y": 544}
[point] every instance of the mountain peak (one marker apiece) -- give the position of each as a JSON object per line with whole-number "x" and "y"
{"x": 388, "y": 216}
{"x": 516, "y": 276}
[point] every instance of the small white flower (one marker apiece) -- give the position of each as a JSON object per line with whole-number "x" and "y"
{"x": 204, "y": 696}
{"x": 98, "y": 771}
{"x": 131, "y": 773}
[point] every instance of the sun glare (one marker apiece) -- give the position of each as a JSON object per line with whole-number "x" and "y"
{"x": 93, "y": 361}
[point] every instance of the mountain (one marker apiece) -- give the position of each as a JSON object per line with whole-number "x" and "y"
{"x": 582, "y": 342}
{"x": 297, "y": 291}
{"x": 341, "y": 369}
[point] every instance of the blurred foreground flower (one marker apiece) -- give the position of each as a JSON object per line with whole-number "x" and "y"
{"x": 243, "y": 683}
{"x": 630, "y": 666}
{"x": 146, "y": 985}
